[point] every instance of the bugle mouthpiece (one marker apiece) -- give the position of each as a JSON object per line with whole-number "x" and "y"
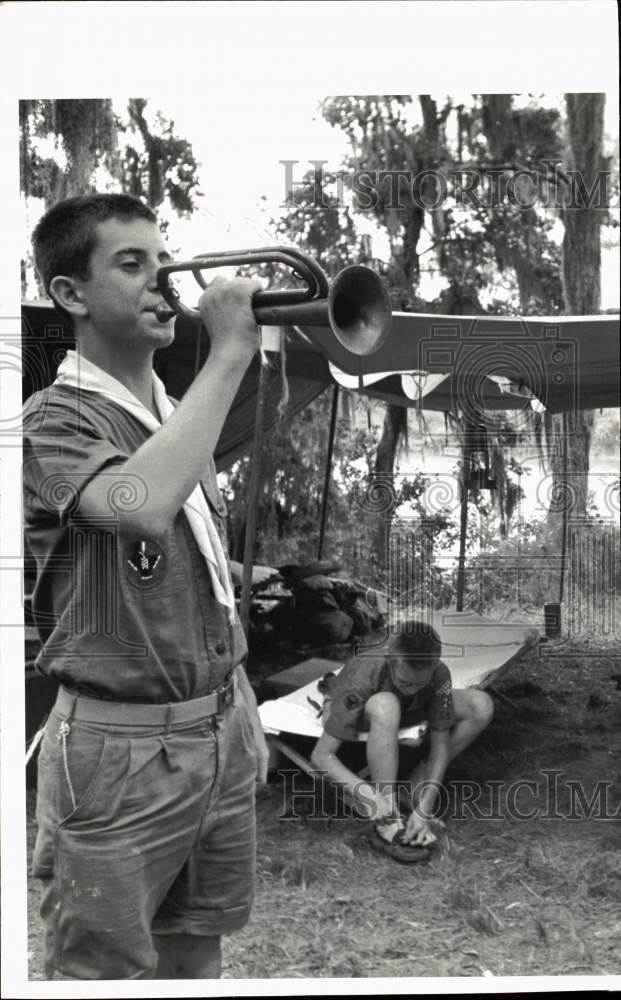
{"x": 164, "y": 313}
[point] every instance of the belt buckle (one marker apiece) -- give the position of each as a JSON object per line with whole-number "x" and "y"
{"x": 226, "y": 695}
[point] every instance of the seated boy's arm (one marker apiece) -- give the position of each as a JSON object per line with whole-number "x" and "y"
{"x": 324, "y": 756}
{"x": 367, "y": 799}
{"x": 417, "y": 829}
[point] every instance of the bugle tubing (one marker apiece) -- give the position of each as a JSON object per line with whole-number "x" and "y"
{"x": 355, "y": 306}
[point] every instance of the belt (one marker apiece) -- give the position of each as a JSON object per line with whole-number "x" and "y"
{"x": 84, "y": 709}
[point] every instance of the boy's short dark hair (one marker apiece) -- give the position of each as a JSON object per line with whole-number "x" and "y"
{"x": 64, "y": 239}
{"x": 418, "y": 641}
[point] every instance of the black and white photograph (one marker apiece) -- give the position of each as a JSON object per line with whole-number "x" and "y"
{"x": 310, "y": 494}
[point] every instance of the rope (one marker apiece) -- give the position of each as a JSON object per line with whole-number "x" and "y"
{"x": 284, "y": 395}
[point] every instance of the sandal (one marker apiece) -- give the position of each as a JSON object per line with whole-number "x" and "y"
{"x": 407, "y": 854}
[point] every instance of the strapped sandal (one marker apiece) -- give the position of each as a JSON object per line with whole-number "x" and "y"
{"x": 406, "y": 854}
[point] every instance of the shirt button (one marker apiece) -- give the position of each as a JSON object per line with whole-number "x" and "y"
{"x": 220, "y": 646}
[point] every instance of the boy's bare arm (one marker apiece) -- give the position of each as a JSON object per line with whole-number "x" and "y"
{"x": 171, "y": 462}
{"x": 324, "y": 758}
{"x": 417, "y": 828}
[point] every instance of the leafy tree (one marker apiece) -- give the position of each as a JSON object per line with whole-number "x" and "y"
{"x": 165, "y": 168}
{"x": 472, "y": 239}
{"x": 84, "y": 132}
{"x": 478, "y": 243}
{"x": 87, "y": 145}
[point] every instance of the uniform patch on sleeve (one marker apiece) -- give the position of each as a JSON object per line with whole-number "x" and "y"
{"x": 352, "y": 701}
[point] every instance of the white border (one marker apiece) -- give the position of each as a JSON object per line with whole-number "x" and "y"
{"x": 252, "y": 51}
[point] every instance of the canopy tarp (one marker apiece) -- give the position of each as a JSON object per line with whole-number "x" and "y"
{"x": 568, "y": 362}
{"x": 433, "y": 362}
{"x": 436, "y": 392}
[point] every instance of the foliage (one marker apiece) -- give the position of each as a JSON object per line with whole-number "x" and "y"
{"x": 419, "y": 534}
{"x": 523, "y": 573}
{"x": 165, "y": 167}
{"x": 84, "y": 131}
{"x": 489, "y": 249}
{"x": 72, "y": 147}
{"x": 292, "y": 477}
{"x": 606, "y": 433}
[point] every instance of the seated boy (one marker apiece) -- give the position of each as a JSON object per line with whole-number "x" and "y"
{"x": 404, "y": 684}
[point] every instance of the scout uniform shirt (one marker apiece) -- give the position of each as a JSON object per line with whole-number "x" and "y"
{"x": 131, "y": 620}
{"x": 363, "y": 676}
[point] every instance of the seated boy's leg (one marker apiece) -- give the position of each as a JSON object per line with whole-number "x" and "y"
{"x": 474, "y": 711}
{"x": 383, "y": 714}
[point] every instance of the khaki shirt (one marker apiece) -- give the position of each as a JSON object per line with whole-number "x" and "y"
{"x": 363, "y": 676}
{"x": 120, "y": 620}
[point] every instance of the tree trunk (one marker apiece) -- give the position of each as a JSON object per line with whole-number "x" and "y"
{"x": 581, "y": 263}
{"x": 395, "y": 427}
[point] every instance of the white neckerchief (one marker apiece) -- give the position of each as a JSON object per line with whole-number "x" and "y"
{"x": 82, "y": 374}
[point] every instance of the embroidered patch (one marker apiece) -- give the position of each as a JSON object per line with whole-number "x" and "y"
{"x": 352, "y": 700}
{"x": 145, "y": 563}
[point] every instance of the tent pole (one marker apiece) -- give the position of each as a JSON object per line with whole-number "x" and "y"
{"x": 564, "y": 518}
{"x": 461, "y": 561}
{"x": 326, "y": 481}
{"x": 253, "y": 496}
{"x": 463, "y": 522}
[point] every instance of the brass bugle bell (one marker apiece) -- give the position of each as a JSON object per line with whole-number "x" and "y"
{"x": 355, "y": 306}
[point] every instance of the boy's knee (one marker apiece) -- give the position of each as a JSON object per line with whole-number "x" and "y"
{"x": 482, "y": 708}
{"x": 383, "y": 709}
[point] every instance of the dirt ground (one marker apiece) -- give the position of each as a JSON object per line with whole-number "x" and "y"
{"x": 501, "y": 895}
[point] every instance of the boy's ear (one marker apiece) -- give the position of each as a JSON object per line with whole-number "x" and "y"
{"x": 66, "y": 293}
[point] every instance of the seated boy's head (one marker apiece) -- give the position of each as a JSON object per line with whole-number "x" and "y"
{"x": 66, "y": 237}
{"x": 414, "y": 653}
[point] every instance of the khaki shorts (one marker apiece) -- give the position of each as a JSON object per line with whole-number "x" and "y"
{"x": 142, "y": 830}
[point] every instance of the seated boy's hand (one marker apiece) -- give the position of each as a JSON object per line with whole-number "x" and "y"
{"x": 417, "y": 830}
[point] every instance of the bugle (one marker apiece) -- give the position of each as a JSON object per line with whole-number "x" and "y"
{"x": 355, "y": 306}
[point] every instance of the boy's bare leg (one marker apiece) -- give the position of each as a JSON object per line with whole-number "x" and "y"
{"x": 187, "y": 956}
{"x": 383, "y": 713}
{"x": 473, "y": 712}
